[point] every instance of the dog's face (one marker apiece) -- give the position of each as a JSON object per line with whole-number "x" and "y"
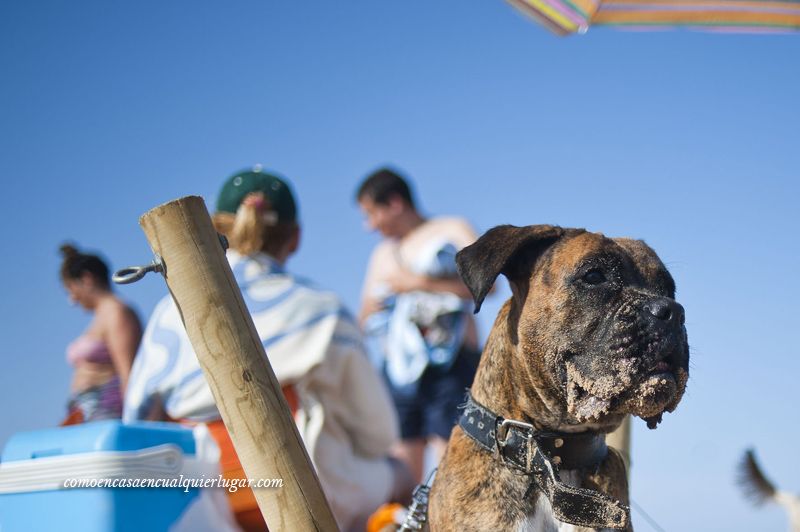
{"x": 593, "y": 321}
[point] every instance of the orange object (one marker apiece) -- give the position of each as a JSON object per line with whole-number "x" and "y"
{"x": 388, "y": 514}
{"x": 243, "y": 502}
{"x": 74, "y": 417}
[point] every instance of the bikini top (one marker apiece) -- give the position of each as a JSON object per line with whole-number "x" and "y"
{"x": 86, "y": 348}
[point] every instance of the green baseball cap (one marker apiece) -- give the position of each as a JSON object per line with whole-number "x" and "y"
{"x": 274, "y": 188}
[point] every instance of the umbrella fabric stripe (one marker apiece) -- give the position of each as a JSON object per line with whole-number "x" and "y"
{"x": 693, "y": 17}
{"x": 794, "y": 9}
{"x": 558, "y": 13}
{"x": 705, "y": 29}
{"x": 707, "y": 10}
{"x": 749, "y": 29}
{"x": 755, "y": 4}
{"x": 567, "y": 16}
{"x": 527, "y": 10}
{"x": 660, "y": 27}
{"x": 586, "y": 8}
{"x": 578, "y": 11}
{"x": 566, "y": 9}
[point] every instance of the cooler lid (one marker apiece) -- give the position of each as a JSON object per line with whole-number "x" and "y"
{"x": 110, "y": 435}
{"x": 161, "y": 465}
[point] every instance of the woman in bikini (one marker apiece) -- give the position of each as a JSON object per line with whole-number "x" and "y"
{"x": 103, "y": 355}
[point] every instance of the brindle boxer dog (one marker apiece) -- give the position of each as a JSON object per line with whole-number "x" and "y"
{"x": 591, "y": 333}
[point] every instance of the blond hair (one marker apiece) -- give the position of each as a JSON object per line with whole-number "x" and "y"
{"x": 255, "y": 227}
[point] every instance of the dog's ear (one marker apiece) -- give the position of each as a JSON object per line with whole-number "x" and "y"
{"x": 496, "y": 251}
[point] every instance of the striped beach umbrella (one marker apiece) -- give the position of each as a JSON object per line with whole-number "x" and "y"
{"x": 753, "y": 16}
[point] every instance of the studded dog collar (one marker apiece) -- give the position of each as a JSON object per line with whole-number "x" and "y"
{"x": 540, "y": 455}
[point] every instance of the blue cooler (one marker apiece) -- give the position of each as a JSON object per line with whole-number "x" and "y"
{"x": 35, "y": 466}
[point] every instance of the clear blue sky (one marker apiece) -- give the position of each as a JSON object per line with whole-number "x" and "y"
{"x": 687, "y": 140}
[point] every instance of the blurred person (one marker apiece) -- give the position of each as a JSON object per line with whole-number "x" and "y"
{"x": 103, "y": 355}
{"x": 416, "y": 314}
{"x": 341, "y": 406}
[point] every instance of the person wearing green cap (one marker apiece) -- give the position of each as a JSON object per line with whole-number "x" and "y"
{"x": 342, "y": 408}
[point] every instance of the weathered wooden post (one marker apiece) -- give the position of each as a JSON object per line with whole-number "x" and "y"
{"x": 236, "y": 368}
{"x": 620, "y": 440}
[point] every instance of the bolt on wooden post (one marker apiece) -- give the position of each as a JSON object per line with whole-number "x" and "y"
{"x": 234, "y": 363}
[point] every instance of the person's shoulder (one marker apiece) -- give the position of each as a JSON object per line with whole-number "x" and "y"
{"x": 327, "y": 304}
{"x": 382, "y": 254}
{"x": 450, "y": 221}
{"x": 384, "y": 247}
{"x": 324, "y": 299}
{"x": 114, "y": 309}
{"x": 456, "y": 227}
{"x": 164, "y": 304}
{"x": 311, "y": 291}
{"x": 165, "y": 311}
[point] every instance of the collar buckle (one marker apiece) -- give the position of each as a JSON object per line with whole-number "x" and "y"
{"x": 502, "y": 430}
{"x": 525, "y": 451}
{"x": 501, "y": 438}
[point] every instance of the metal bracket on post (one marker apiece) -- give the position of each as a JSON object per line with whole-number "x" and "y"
{"x": 131, "y": 274}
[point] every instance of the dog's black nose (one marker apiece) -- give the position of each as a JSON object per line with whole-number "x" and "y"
{"x": 666, "y": 310}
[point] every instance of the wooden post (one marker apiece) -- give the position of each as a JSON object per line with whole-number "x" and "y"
{"x": 236, "y": 368}
{"x": 620, "y": 440}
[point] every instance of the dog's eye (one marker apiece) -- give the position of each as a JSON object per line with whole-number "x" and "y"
{"x": 594, "y": 277}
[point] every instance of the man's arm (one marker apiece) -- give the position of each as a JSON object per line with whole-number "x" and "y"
{"x": 406, "y": 281}
{"x": 369, "y": 305}
{"x": 369, "y": 302}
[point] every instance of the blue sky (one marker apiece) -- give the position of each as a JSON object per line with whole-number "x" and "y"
{"x": 687, "y": 140}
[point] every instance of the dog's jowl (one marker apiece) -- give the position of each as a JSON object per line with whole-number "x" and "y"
{"x": 591, "y": 334}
